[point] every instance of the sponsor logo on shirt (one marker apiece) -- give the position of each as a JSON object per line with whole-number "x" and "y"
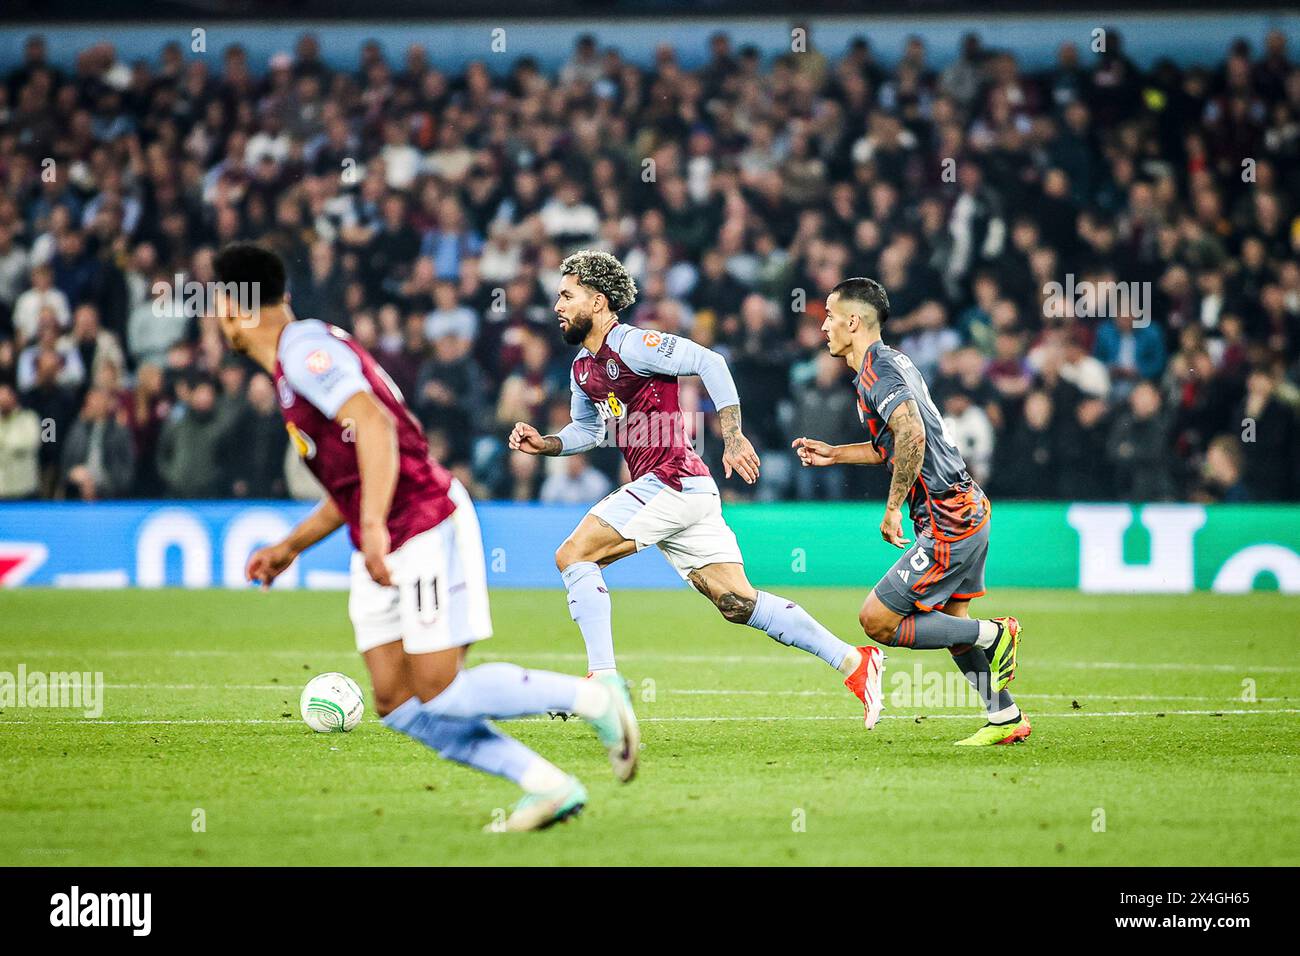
{"x": 583, "y": 376}
{"x": 332, "y": 376}
{"x": 669, "y": 343}
{"x": 652, "y": 340}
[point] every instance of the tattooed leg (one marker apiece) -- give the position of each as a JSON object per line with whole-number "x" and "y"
{"x": 784, "y": 621}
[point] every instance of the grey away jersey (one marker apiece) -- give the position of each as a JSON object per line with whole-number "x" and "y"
{"x": 945, "y": 501}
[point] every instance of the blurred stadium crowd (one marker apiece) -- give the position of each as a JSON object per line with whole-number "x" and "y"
{"x": 428, "y": 213}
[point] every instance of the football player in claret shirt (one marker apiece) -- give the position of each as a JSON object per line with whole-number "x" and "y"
{"x": 923, "y": 601}
{"x": 419, "y": 587}
{"x": 627, "y": 377}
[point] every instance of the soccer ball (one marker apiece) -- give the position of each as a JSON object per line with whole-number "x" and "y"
{"x": 332, "y": 703}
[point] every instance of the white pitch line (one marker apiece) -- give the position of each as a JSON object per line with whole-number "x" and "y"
{"x": 718, "y": 692}
{"x": 673, "y": 720}
{"x": 968, "y": 716}
{"x": 834, "y": 693}
{"x": 768, "y": 659}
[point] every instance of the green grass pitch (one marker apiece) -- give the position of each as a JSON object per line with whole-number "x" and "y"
{"x": 1166, "y": 731}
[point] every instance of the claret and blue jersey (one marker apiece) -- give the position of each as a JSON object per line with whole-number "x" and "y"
{"x": 318, "y": 368}
{"x": 631, "y": 382}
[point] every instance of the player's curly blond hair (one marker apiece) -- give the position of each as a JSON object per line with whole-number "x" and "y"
{"x": 604, "y": 273}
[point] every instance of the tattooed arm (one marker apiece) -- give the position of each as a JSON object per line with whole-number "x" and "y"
{"x": 737, "y": 453}
{"x": 659, "y": 353}
{"x": 909, "y": 455}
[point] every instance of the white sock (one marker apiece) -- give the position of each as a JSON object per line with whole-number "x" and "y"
{"x": 1004, "y": 715}
{"x": 989, "y": 631}
{"x": 542, "y": 776}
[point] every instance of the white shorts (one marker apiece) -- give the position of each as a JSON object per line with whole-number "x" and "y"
{"x": 687, "y": 525}
{"x": 439, "y": 597}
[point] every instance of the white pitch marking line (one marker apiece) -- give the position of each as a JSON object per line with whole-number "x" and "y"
{"x": 969, "y": 716}
{"x": 784, "y": 659}
{"x": 672, "y": 720}
{"x": 714, "y": 692}
{"x": 835, "y": 693}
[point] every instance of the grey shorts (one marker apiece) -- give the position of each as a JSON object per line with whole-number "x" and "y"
{"x": 931, "y": 573}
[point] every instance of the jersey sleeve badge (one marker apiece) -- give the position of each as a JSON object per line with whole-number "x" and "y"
{"x": 319, "y": 362}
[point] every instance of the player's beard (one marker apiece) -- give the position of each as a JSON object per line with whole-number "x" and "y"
{"x": 577, "y": 328}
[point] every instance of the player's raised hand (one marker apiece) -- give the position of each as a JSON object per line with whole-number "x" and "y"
{"x": 739, "y": 456}
{"x": 526, "y": 438}
{"x": 266, "y": 564}
{"x": 812, "y": 452}
{"x": 891, "y": 528}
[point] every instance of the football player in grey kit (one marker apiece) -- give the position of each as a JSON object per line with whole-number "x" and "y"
{"x": 627, "y": 377}
{"x": 923, "y": 601}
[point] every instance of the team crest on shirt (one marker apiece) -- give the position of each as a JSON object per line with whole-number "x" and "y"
{"x": 319, "y": 362}
{"x": 611, "y": 369}
{"x": 286, "y": 393}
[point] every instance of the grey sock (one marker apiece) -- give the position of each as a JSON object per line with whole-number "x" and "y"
{"x": 974, "y": 663}
{"x": 930, "y": 630}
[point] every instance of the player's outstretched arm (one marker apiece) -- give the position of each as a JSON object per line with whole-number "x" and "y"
{"x": 909, "y": 454}
{"x": 582, "y": 434}
{"x": 814, "y": 453}
{"x": 524, "y": 437}
{"x": 267, "y": 564}
{"x": 378, "y": 462}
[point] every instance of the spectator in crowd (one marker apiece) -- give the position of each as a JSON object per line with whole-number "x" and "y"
{"x": 1137, "y": 447}
{"x": 156, "y": 324}
{"x": 1269, "y": 439}
{"x": 42, "y": 298}
{"x": 189, "y": 448}
{"x": 1027, "y": 460}
{"x": 20, "y": 443}
{"x": 574, "y": 482}
{"x": 1087, "y": 470}
{"x": 1221, "y": 479}
{"x": 98, "y": 454}
{"x": 257, "y": 463}
{"x": 1129, "y": 352}
{"x": 15, "y": 264}
{"x": 825, "y": 409}
{"x": 50, "y": 347}
{"x": 968, "y": 427}
{"x": 95, "y": 345}
{"x": 147, "y": 411}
